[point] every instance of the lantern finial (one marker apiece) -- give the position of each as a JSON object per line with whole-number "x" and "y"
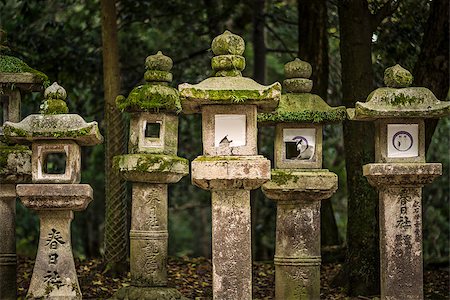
{"x": 228, "y": 60}
{"x": 54, "y": 100}
{"x": 397, "y": 77}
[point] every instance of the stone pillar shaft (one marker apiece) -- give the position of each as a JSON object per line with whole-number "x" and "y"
{"x": 54, "y": 270}
{"x": 401, "y": 242}
{"x": 149, "y": 235}
{"x": 231, "y": 244}
{"x": 297, "y": 251}
{"x": 8, "y": 241}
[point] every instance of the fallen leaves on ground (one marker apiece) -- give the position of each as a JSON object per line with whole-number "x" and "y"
{"x": 192, "y": 277}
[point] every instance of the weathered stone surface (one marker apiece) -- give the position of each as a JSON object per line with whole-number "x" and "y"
{"x": 290, "y": 184}
{"x": 231, "y": 244}
{"x": 229, "y": 90}
{"x": 149, "y": 235}
{"x": 230, "y": 172}
{"x": 228, "y": 62}
{"x": 400, "y": 189}
{"x": 150, "y": 97}
{"x": 401, "y": 243}
{"x": 298, "y": 85}
{"x": 71, "y": 150}
{"x": 15, "y": 164}
{"x": 402, "y": 102}
{"x": 54, "y": 275}
{"x": 228, "y": 43}
{"x": 12, "y": 99}
{"x": 48, "y": 127}
{"x": 8, "y": 260}
{"x": 303, "y": 108}
{"x": 297, "y": 249}
{"x": 208, "y": 129}
{"x": 399, "y": 174}
{"x": 297, "y": 69}
{"x": 154, "y": 168}
{"x": 166, "y": 143}
{"x": 155, "y": 96}
{"x": 397, "y": 77}
{"x": 55, "y": 196}
{"x": 15, "y": 71}
{"x": 159, "y": 62}
{"x": 148, "y": 293}
{"x": 228, "y": 87}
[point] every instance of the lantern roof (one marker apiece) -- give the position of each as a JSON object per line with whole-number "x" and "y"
{"x": 399, "y": 100}
{"x": 298, "y": 104}
{"x": 54, "y": 123}
{"x": 228, "y": 86}
{"x": 14, "y": 71}
{"x": 156, "y": 94}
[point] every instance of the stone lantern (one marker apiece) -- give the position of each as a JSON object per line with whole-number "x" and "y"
{"x": 16, "y": 79}
{"x": 152, "y": 164}
{"x": 399, "y": 173}
{"x": 298, "y": 182}
{"x": 56, "y": 138}
{"x": 230, "y": 166}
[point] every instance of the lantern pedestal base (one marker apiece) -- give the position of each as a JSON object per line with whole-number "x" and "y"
{"x": 297, "y": 249}
{"x": 400, "y": 197}
{"x": 148, "y": 293}
{"x": 54, "y": 274}
{"x": 8, "y": 244}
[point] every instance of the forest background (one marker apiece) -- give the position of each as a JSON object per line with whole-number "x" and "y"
{"x": 349, "y": 44}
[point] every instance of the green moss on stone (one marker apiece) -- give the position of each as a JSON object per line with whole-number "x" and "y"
{"x": 304, "y": 108}
{"x": 403, "y": 100}
{"x": 218, "y": 158}
{"x": 146, "y": 162}
{"x": 150, "y": 97}
{"x": 54, "y": 107}
{"x": 282, "y": 177}
{"x": 11, "y": 64}
{"x": 17, "y": 132}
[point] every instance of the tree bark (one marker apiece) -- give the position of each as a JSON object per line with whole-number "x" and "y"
{"x": 432, "y": 67}
{"x": 116, "y": 230}
{"x": 259, "y": 44}
{"x": 362, "y": 261}
{"x": 313, "y": 48}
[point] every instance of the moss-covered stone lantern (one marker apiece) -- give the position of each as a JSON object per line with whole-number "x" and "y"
{"x": 56, "y": 138}
{"x": 152, "y": 164}
{"x": 298, "y": 182}
{"x": 16, "y": 79}
{"x": 230, "y": 166}
{"x": 399, "y": 173}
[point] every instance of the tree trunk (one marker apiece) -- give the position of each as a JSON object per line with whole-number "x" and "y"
{"x": 116, "y": 237}
{"x": 313, "y": 48}
{"x": 259, "y": 44}
{"x": 432, "y": 67}
{"x": 362, "y": 261}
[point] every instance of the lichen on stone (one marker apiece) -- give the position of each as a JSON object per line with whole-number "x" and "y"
{"x": 11, "y": 64}
{"x": 282, "y": 177}
{"x": 305, "y": 108}
{"x": 150, "y": 97}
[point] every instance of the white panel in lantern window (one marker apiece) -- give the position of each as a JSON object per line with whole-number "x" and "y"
{"x": 403, "y": 140}
{"x": 300, "y": 143}
{"x": 230, "y": 129}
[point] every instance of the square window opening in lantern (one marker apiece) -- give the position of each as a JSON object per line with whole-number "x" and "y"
{"x": 299, "y": 143}
{"x": 153, "y": 130}
{"x": 230, "y": 130}
{"x": 55, "y": 163}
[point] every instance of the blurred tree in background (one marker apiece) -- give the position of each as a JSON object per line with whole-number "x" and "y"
{"x": 63, "y": 39}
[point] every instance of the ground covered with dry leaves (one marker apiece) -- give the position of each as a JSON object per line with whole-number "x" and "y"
{"x": 192, "y": 276}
